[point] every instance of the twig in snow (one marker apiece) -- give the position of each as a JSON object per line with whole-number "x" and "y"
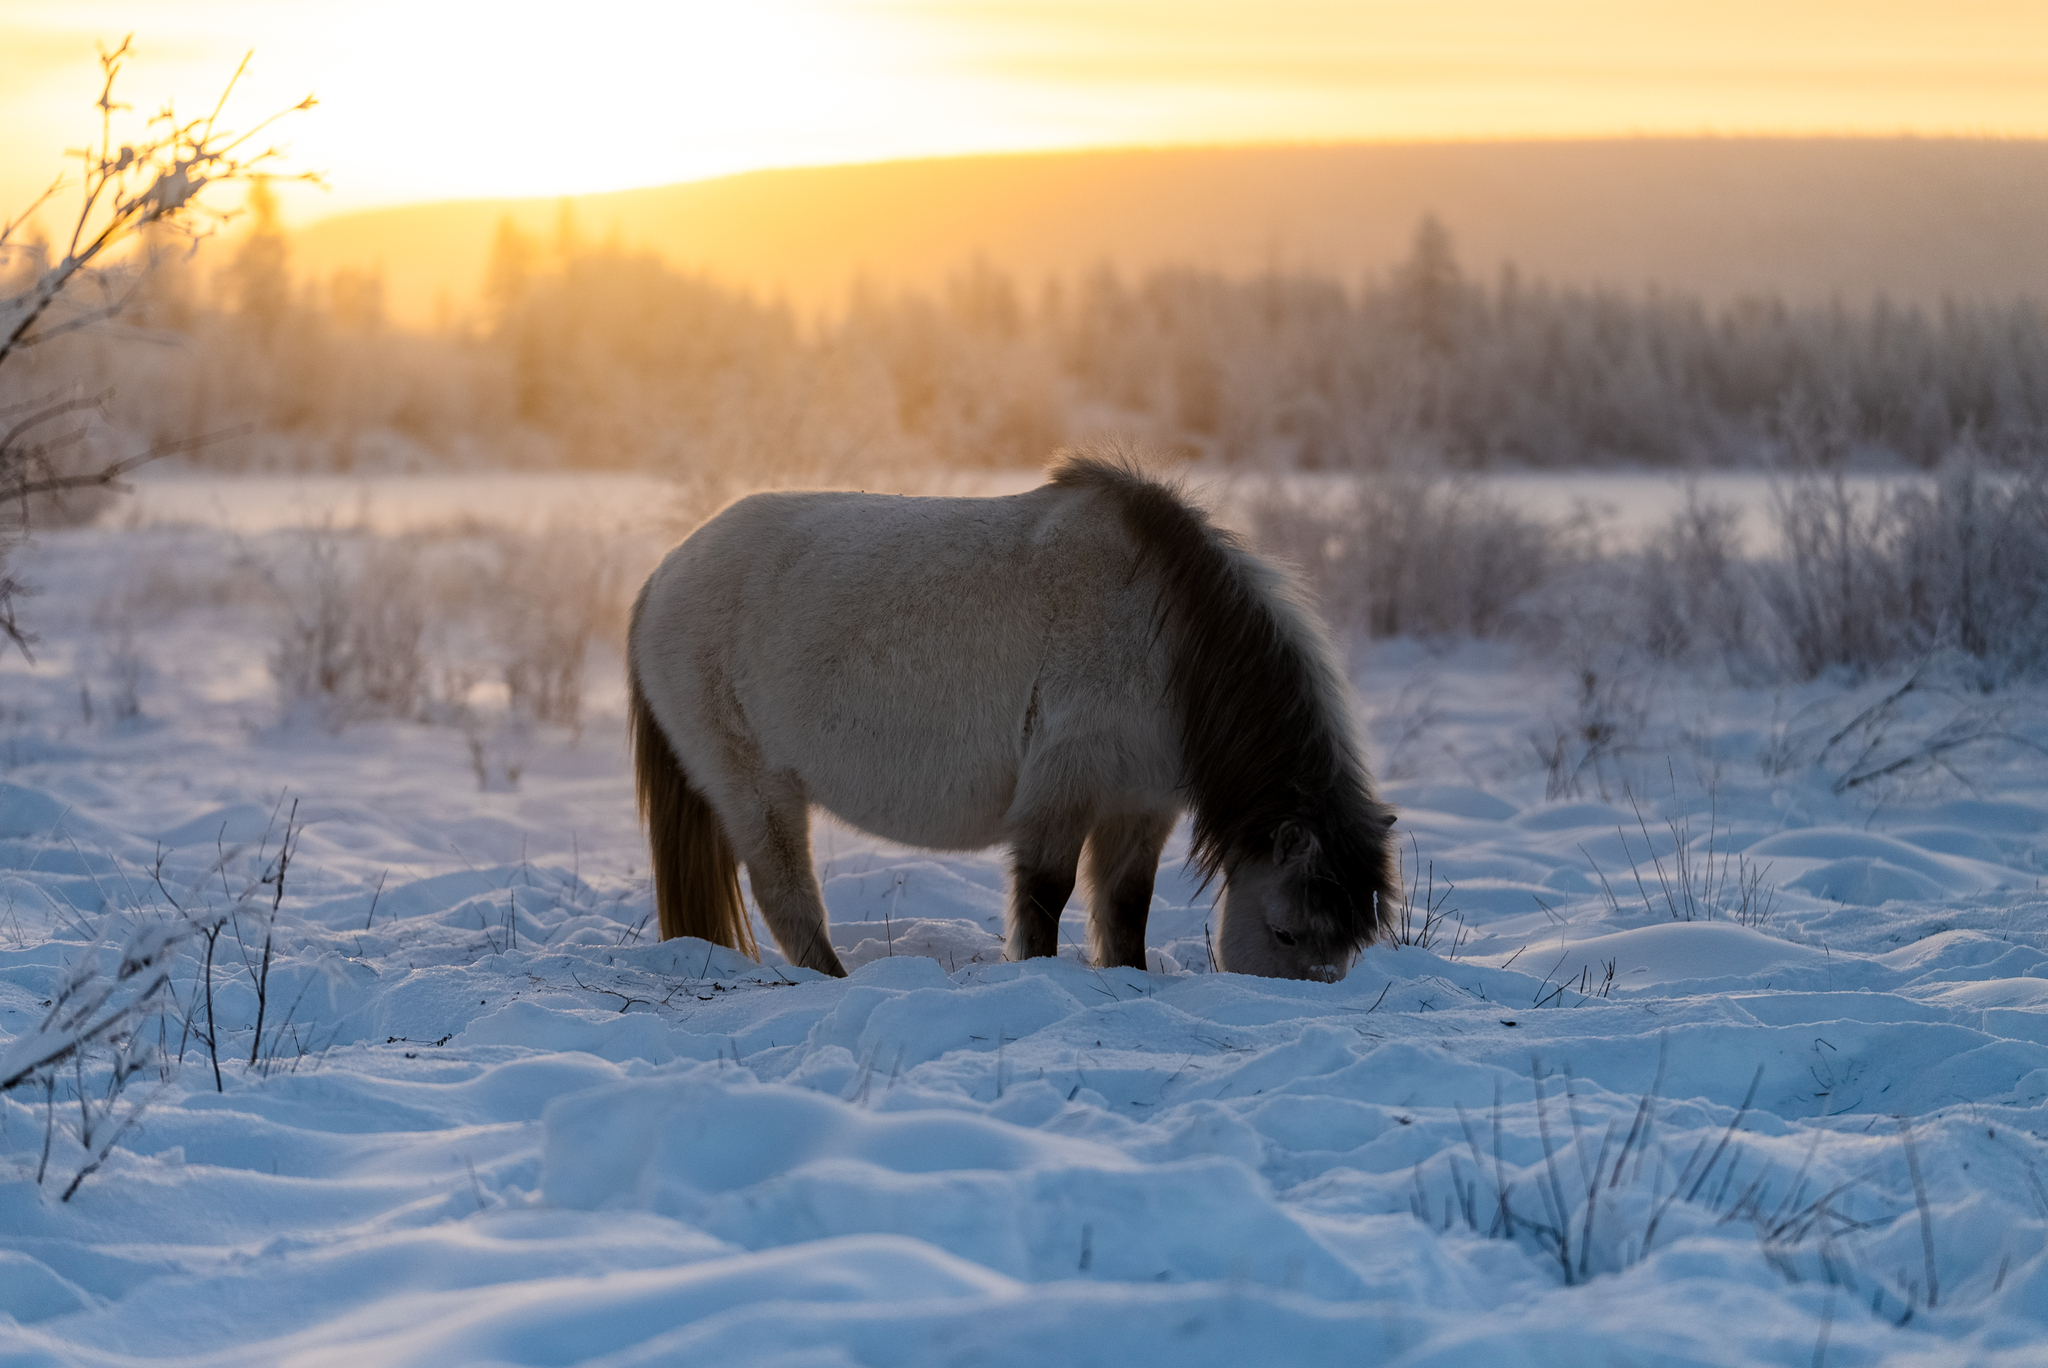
{"x": 1926, "y": 1217}
{"x": 274, "y": 878}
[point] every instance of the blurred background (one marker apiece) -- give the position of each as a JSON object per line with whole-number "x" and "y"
{"x": 1455, "y": 305}
{"x": 804, "y": 236}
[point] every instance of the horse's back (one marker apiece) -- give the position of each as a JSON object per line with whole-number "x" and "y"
{"x": 898, "y": 654}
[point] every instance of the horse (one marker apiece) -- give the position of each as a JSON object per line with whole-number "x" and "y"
{"x": 1061, "y": 671}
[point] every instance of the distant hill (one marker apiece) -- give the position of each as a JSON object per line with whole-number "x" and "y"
{"x": 1809, "y": 218}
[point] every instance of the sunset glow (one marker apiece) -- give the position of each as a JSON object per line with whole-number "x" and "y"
{"x": 424, "y": 101}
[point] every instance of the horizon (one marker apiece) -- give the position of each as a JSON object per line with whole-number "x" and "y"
{"x": 1918, "y": 217}
{"x": 698, "y": 93}
{"x": 296, "y": 226}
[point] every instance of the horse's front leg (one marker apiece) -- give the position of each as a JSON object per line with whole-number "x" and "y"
{"x": 1121, "y": 863}
{"x": 1043, "y": 862}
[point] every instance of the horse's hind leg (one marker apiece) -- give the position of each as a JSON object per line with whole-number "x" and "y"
{"x": 1042, "y": 865}
{"x": 1121, "y": 861}
{"x": 774, "y": 841}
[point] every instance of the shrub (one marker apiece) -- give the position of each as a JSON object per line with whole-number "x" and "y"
{"x": 1856, "y": 582}
{"x": 554, "y": 591}
{"x": 1409, "y": 554}
{"x": 409, "y": 627}
{"x": 1959, "y": 565}
{"x": 353, "y": 631}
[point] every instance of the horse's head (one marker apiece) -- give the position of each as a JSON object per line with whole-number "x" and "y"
{"x": 1296, "y": 911}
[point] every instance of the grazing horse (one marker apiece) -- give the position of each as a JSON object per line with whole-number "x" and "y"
{"x": 1061, "y": 671}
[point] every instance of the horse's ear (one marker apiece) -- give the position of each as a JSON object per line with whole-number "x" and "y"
{"x": 1293, "y": 843}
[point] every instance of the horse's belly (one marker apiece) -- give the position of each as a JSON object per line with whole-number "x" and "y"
{"x": 933, "y": 828}
{"x": 910, "y": 790}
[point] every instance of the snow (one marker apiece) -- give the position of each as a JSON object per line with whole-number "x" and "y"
{"x": 500, "y": 1124}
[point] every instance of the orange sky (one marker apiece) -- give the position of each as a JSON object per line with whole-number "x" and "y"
{"x": 429, "y": 101}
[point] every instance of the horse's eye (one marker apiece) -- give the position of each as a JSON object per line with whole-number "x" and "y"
{"x": 1284, "y": 937}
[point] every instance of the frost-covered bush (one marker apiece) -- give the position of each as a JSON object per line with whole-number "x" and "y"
{"x": 555, "y": 591}
{"x": 417, "y": 626}
{"x": 1971, "y": 560}
{"x": 1689, "y": 596}
{"x": 1410, "y": 554}
{"x": 1959, "y": 565}
{"x": 100, "y": 1011}
{"x": 1833, "y": 585}
{"x": 353, "y": 628}
{"x": 1852, "y": 581}
{"x": 1694, "y": 590}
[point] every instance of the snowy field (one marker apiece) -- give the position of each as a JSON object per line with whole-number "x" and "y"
{"x": 1728, "y": 1044}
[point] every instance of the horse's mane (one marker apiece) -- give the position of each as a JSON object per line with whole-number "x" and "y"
{"x": 1265, "y": 725}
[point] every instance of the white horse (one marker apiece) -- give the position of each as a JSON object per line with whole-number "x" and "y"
{"x": 1061, "y": 671}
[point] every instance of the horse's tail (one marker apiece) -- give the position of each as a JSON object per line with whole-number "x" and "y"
{"x": 696, "y": 877}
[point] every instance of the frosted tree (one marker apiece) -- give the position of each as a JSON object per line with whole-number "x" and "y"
{"x": 1431, "y": 288}
{"x": 135, "y": 199}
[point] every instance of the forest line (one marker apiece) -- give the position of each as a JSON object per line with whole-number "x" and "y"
{"x": 583, "y": 354}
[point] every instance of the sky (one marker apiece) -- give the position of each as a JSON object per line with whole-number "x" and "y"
{"x": 424, "y": 101}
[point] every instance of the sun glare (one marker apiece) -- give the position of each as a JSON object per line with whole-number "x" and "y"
{"x": 427, "y": 102}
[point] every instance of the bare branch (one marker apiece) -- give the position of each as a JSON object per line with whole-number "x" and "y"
{"x": 87, "y": 318}
{"x": 108, "y": 474}
{"x": 171, "y": 169}
{"x": 227, "y": 90}
{"x": 13, "y": 225}
{"x": 50, "y": 414}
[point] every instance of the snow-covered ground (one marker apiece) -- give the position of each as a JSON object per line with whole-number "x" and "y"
{"x": 1706, "y": 1062}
